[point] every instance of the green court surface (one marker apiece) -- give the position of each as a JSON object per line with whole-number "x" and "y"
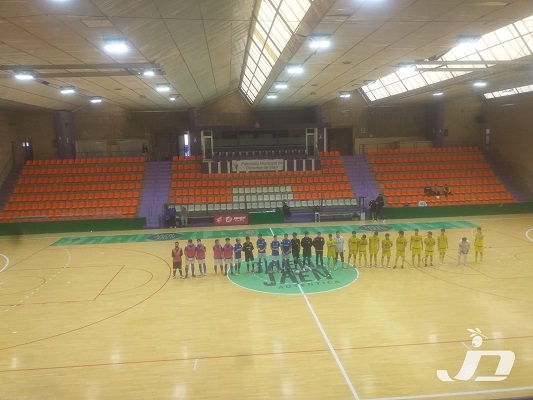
{"x": 206, "y": 233}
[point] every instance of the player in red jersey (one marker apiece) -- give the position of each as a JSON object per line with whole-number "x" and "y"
{"x": 177, "y": 253}
{"x": 190, "y": 253}
{"x": 217, "y": 255}
{"x": 228, "y": 257}
{"x": 200, "y": 256}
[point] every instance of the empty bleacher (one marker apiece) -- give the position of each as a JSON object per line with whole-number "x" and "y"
{"x": 259, "y": 190}
{"x": 91, "y": 188}
{"x": 402, "y": 175}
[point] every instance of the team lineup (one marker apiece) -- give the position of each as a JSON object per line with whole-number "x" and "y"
{"x": 228, "y": 258}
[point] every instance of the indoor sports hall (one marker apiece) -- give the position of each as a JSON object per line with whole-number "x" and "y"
{"x": 266, "y": 199}
{"x": 99, "y": 316}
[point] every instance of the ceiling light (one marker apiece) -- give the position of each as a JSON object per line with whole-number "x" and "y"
{"x": 406, "y": 66}
{"x": 467, "y": 39}
{"x": 174, "y": 97}
{"x": 24, "y": 75}
{"x": 345, "y": 95}
{"x": 480, "y": 83}
{"x": 467, "y": 43}
{"x": 295, "y": 69}
{"x": 319, "y": 42}
{"x": 67, "y": 89}
{"x": 116, "y": 46}
{"x": 281, "y": 85}
{"x": 438, "y": 93}
{"x": 148, "y": 72}
{"x": 96, "y": 99}
{"x": 272, "y": 95}
{"x": 162, "y": 87}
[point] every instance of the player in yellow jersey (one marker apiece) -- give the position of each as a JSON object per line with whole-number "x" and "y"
{"x": 478, "y": 244}
{"x": 386, "y": 245}
{"x": 442, "y": 242}
{"x": 330, "y": 245}
{"x": 401, "y": 244}
{"x": 416, "y": 245}
{"x": 429, "y": 242}
{"x": 353, "y": 246}
{"x": 363, "y": 243}
{"x": 373, "y": 248}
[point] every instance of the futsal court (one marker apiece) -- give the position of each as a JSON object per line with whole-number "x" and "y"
{"x": 98, "y": 316}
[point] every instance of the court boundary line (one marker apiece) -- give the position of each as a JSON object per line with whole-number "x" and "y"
{"x": 79, "y": 328}
{"x": 7, "y": 262}
{"x": 527, "y": 234}
{"x": 453, "y": 394}
{"x": 330, "y": 346}
{"x": 422, "y": 270}
{"x": 108, "y": 283}
{"x": 275, "y": 353}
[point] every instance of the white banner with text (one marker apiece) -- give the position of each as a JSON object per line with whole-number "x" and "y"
{"x": 257, "y": 165}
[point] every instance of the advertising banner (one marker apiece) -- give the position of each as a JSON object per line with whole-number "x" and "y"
{"x": 231, "y": 219}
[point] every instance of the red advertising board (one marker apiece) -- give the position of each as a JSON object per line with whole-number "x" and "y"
{"x": 231, "y": 219}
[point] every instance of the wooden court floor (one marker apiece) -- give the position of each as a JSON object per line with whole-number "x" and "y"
{"x": 98, "y": 316}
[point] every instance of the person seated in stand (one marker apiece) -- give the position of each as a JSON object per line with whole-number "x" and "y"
{"x": 435, "y": 190}
{"x": 427, "y": 190}
{"x": 446, "y": 191}
{"x": 286, "y": 210}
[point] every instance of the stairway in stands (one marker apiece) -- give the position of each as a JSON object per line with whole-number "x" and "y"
{"x": 156, "y": 186}
{"x": 509, "y": 184}
{"x": 360, "y": 177}
{"x": 7, "y": 187}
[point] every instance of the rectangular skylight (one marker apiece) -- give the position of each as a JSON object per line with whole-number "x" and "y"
{"x": 509, "y": 92}
{"x": 511, "y": 42}
{"x": 276, "y": 22}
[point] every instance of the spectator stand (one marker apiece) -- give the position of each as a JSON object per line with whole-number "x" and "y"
{"x": 93, "y": 188}
{"x": 403, "y": 174}
{"x": 208, "y": 193}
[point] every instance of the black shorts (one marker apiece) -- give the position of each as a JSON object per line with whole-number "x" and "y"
{"x": 176, "y": 264}
{"x": 307, "y": 252}
{"x": 248, "y": 257}
{"x": 295, "y": 254}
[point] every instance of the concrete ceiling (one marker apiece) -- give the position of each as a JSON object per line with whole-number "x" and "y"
{"x": 200, "y": 47}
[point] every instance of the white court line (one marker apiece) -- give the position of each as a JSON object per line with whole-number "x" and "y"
{"x": 427, "y": 396}
{"x": 341, "y": 367}
{"x": 7, "y": 262}
{"x": 195, "y": 364}
{"x": 527, "y": 234}
{"x": 271, "y": 231}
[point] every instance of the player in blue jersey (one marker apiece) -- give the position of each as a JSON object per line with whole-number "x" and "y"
{"x": 261, "y": 253}
{"x": 275, "y": 246}
{"x": 237, "y": 251}
{"x": 285, "y": 253}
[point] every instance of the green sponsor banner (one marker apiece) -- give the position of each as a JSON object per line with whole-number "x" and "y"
{"x": 252, "y": 232}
